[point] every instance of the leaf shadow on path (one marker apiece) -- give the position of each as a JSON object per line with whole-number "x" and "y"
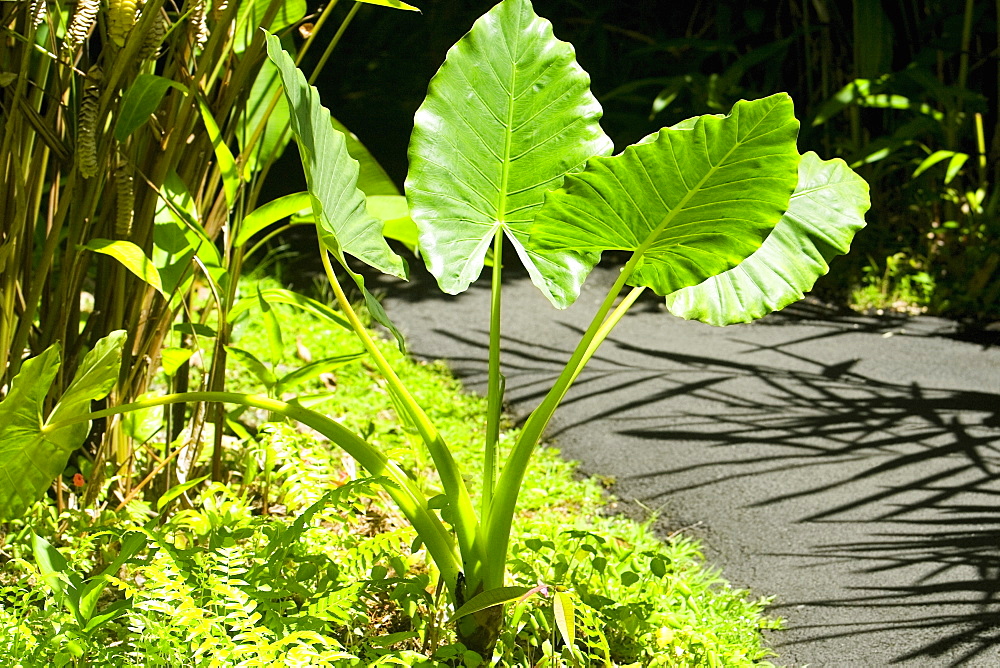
{"x": 909, "y": 470}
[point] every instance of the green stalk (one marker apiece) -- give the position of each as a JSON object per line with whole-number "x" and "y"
{"x": 495, "y": 383}
{"x": 403, "y": 490}
{"x": 501, "y": 514}
{"x": 467, "y": 525}
{"x": 333, "y": 42}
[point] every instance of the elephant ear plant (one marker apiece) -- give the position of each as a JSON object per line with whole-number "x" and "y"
{"x": 720, "y": 215}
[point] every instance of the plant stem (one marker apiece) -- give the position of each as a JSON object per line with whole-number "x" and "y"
{"x": 467, "y": 524}
{"x": 402, "y": 489}
{"x": 495, "y": 381}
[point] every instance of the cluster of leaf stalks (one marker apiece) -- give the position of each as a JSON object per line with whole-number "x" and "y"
{"x": 135, "y": 140}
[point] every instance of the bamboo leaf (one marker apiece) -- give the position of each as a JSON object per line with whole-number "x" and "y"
{"x": 372, "y": 178}
{"x": 689, "y": 202}
{"x": 824, "y": 213}
{"x": 275, "y": 135}
{"x": 395, "y": 4}
{"x": 282, "y": 296}
{"x": 252, "y": 362}
{"x": 227, "y": 163}
{"x": 315, "y": 369}
{"x": 141, "y": 100}
{"x": 275, "y": 343}
{"x": 507, "y": 115}
{"x": 132, "y": 258}
{"x": 177, "y": 490}
{"x": 250, "y": 17}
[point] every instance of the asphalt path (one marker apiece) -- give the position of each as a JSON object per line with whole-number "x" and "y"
{"x": 845, "y": 465}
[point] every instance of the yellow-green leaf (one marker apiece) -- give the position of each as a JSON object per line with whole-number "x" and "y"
{"x": 132, "y": 258}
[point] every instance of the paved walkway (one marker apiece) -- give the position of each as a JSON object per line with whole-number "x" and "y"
{"x": 846, "y": 465}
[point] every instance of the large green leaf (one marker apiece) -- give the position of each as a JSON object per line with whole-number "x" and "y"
{"x": 507, "y": 115}
{"x": 690, "y": 201}
{"x": 331, "y": 174}
{"x": 825, "y": 212}
{"x": 372, "y": 178}
{"x": 31, "y": 459}
{"x": 27, "y": 462}
{"x": 94, "y": 379}
{"x": 141, "y": 100}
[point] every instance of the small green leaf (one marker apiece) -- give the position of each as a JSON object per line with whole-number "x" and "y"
{"x": 177, "y": 490}
{"x": 171, "y": 359}
{"x": 658, "y": 567}
{"x": 257, "y": 368}
{"x": 270, "y": 213}
{"x": 275, "y": 343}
{"x": 315, "y": 369}
{"x": 629, "y": 578}
{"x": 564, "y": 612}
{"x": 141, "y": 99}
{"x": 194, "y": 329}
{"x": 227, "y": 163}
{"x": 488, "y": 599}
{"x": 132, "y": 258}
{"x": 395, "y": 4}
{"x": 282, "y": 296}
{"x": 143, "y": 424}
{"x": 52, "y": 565}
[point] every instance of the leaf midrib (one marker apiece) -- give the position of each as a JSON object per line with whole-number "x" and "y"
{"x": 501, "y": 212}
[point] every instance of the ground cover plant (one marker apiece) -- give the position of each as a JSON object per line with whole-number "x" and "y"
{"x": 720, "y": 215}
{"x": 310, "y": 564}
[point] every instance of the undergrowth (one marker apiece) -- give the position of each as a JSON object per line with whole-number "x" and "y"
{"x": 299, "y": 559}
